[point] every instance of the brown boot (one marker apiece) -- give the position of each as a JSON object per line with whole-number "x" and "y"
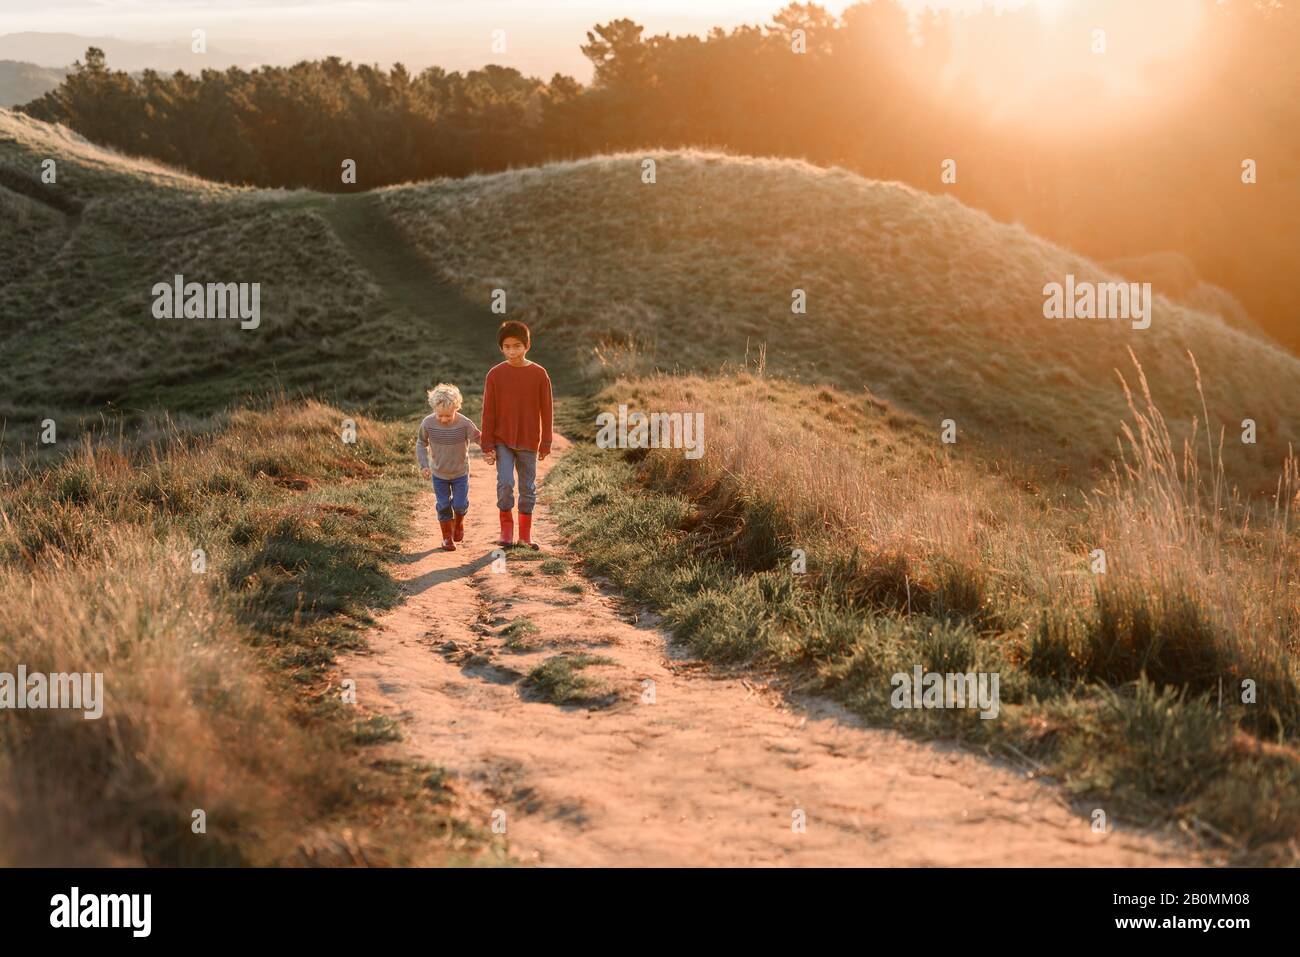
{"x": 447, "y": 544}
{"x": 458, "y": 529}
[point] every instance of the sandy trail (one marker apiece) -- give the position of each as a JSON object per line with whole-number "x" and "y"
{"x": 713, "y": 772}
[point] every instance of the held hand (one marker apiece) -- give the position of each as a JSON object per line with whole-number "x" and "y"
{"x": 426, "y": 472}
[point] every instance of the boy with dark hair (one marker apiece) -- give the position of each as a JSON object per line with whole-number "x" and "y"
{"x": 516, "y": 427}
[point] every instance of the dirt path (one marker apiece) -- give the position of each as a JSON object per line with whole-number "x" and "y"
{"x": 712, "y": 772}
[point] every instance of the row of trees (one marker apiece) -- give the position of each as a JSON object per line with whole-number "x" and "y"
{"x": 870, "y": 90}
{"x": 293, "y": 126}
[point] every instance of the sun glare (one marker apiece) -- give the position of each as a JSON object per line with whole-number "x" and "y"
{"x": 1077, "y": 63}
{"x": 1051, "y": 10}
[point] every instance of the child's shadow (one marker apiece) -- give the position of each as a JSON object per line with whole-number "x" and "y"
{"x": 407, "y": 558}
{"x": 440, "y": 576}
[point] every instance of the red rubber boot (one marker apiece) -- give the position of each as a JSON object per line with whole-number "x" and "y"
{"x": 447, "y": 544}
{"x": 458, "y": 529}
{"x": 507, "y": 528}
{"x": 526, "y": 530}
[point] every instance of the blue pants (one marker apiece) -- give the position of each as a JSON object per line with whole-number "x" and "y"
{"x": 525, "y": 463}
{"x": 451, "y": 493}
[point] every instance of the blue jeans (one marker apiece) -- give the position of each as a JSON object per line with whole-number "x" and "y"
{"x": 525, "y": 463}
{"x": 451, "y": 493}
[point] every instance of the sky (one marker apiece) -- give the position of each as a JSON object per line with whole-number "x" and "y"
{"x": 541, "y": 36}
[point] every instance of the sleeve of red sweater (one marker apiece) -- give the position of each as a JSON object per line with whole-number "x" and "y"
{"x": 485, "y": 439}
{"x": 545, "y": 402}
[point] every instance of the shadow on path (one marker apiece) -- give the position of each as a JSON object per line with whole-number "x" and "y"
{"x": 441, "y": 576}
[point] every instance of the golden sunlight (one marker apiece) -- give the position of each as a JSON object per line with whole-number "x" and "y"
{"x": 1075, "y": 63}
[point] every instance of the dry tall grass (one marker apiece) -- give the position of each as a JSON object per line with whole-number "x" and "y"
{"x": 1127, "y": 683}
{"x": 1194, "y": 566}
{"x": 200, "y": 712}
{"x": 1176, "y": 542}
{"x": 189, "y": 722}
{"x": 853, "y": 471}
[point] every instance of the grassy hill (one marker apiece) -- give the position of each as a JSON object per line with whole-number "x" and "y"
{"x": 932, "y": 305}
{"x": 85, "y": 253}
{"x": 184, "y": 434}
{"x": 918, "y": 310}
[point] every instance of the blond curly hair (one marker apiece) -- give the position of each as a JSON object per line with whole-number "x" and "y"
{"x": 445, "y": 396}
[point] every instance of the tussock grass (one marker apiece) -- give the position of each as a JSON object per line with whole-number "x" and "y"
{"x": 219, "y": 693}
{"x": 557, "y": 681}
{"x": 188, "y": 723}
{"x": 918, "y": 554}
{"x": 519, "y": 633}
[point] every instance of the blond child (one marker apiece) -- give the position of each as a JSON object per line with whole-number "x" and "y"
{"x": 442, "y": 449}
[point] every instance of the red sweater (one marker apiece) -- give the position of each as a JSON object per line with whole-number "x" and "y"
{"x": 517, "y": 408}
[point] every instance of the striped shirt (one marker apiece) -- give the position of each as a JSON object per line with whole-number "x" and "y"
{"x": 445, "y": 448}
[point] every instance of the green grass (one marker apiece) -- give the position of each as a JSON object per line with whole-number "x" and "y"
{"x": 557, "y": 681}
{"x": 918, "y": 557}
{"x": 76, "y": 321}
{"x": 518, "y": 632}
{"x": 376, "y": 729}
{"x": 435, "y": 779}
{"x": 525, "y": 555}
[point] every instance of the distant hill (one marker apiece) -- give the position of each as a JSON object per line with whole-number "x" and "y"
{"x": 62, "y": 49}
{"x": 928, "y": 303}
{"x": 23, "y": 82}
{"x": 931, "y": 305}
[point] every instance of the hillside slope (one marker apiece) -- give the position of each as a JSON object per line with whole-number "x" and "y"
{"x": 930, "y": 304}
{"x": 82, "y": 256}
{"x": 933, "y": 306}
